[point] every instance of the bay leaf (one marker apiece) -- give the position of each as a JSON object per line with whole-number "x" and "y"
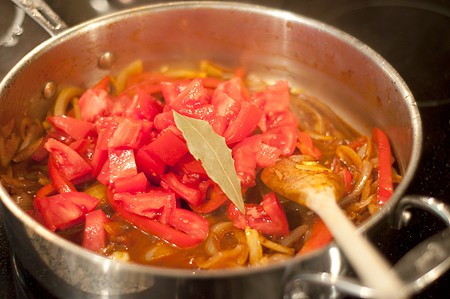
{"x": 211, "y": 149}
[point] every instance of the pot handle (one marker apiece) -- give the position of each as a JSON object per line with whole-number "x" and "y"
{"x": 418, "y": 268}
{"x": 42, "y": 14}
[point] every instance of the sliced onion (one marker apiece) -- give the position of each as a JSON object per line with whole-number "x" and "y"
{"x": 275, "y": 246}
{"x": 359, "y": 185}
{"x": 254, "y": 246}
{"x": 295, "y": 235}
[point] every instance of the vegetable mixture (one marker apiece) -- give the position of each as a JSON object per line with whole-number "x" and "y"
{"x": 162, "y": 168}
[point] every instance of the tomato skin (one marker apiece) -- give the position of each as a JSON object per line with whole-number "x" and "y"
{"x": 268, "y": 217}
{"x": 94, "y": 237}
{"x": 67, "y": 160}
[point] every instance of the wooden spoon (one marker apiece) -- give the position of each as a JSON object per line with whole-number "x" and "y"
{"x": 317, "y": 188}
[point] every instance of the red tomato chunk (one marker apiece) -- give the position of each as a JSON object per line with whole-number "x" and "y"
{"x": 130, "y": 143}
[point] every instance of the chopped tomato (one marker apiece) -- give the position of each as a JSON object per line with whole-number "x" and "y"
{"x": 130, "y": 133}
{"x": 193, "y": 95}
{"x": 67, "y": 160}
{"x": 132, "y": 184}
{"x": 143, "y": 106}
{"x": 65, "y": 210}
{"x": 244, "y": 124}
{"x": 268, "y": 217}
{"x": 283, "y": 138}
{"x": 155, "y": 203}
{"x": 188, "y": 165}
{"x": 59, "y": 181}
{"x": 190, "y": 223}
{"x": 189, "y": 193}
{"x": 276, "y": 97}
{"x": 94, "y": 103}
{"x": 385, "y": 187}
{"x": 75, "y": 128}
{"x": 94, "y": 237}
{"x": 122, "y": 163}
{"x": 162, "y": 229}
{"x": 168, "y": 147}
{"x": 234, "y": 88}
{"x": 252, "y": 153}
{"x": 150, "y": 164}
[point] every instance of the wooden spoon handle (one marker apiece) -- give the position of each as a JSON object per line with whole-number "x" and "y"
{"x": 371, "y": 267}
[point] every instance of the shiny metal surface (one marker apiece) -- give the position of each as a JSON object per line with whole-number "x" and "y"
{"x": 43, "y": 15}
{"x": 323, "y": 61}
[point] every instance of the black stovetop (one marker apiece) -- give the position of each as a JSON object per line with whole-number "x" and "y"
{"x": 412, "y": 35}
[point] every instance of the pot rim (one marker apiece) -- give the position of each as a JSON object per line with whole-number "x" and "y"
{"x": 102, "y": 21}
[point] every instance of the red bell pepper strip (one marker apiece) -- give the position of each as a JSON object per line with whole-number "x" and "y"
{"x": 103, "y": 84}
{"x": 385, "y": 187}
{"x": 215, "y": 199}
{"x": 94, "y": 237}
{"x": 320, "y": 237}
{"x": 306, "y": 146}
{"x": 46, "y": 190}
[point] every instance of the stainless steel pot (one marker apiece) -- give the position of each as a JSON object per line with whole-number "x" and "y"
{"x": 324, "y": 62}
